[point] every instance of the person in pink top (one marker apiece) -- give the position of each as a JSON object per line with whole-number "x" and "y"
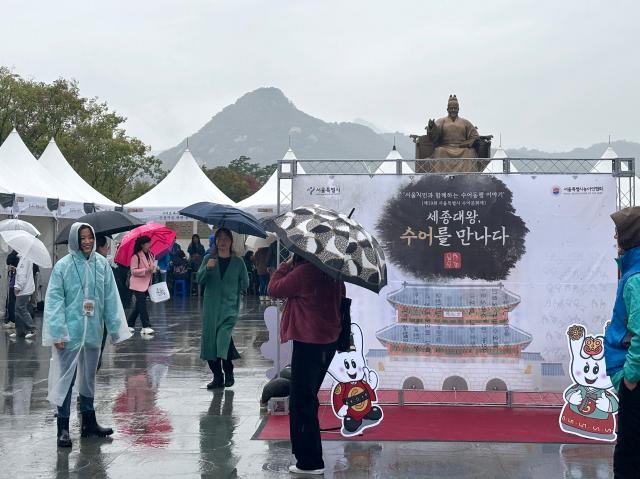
{"x": 143, "y": 265}
{"x": 311, "y": 319}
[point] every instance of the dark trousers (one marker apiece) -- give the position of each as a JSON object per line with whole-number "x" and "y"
{"x": 86, "y": 403}
{"x": 309, "y": 364}
{"x": 227, "y": 365}
{"x": 104, "y": 342}
{"x": 626, "y": 459}
{"x": 263, "y": 284}
{"x": 120, "y": 274}
{"x": 140, "y": 309}
{"x": 217, "y": 368}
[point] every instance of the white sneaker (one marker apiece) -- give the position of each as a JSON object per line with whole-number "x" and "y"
{"x": 294, "y": 470}
{"x": 147, "y": 331}
{"x": 132, "y": 330}
{"x": 30, "y": 334}
{"x": 13, "y": 335}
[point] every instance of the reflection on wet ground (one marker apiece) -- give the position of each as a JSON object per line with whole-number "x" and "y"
{"x": 169, "y": 425}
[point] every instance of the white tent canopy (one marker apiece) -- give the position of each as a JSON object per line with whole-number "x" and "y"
{"x": 604, "y": 165}
{"x": 497, "y": 166}
{"x": 389, "y": 167}
{"x": 185, "y": 185}
{"x": 33, "y": 183}
{"x": 55, "y": 162}
{"x": 263, "y": 202}
{"x": 291, "y": 156}
{"x": 500, "y": 153}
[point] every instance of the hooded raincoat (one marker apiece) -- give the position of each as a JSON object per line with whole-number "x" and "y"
{"x": 75, "y": 278}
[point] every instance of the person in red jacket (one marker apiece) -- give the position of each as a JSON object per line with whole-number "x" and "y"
{"x": 311, "y": 319}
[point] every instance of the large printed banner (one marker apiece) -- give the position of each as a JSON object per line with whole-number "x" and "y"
{"x": 486, "y": 274}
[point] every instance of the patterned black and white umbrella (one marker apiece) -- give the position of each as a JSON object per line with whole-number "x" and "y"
{"x": 337, "y": 244}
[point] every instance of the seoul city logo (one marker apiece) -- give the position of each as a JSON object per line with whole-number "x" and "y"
{"x": 555, "y": 190}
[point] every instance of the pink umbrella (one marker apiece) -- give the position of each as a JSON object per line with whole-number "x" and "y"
{"x": 162, "y": 239}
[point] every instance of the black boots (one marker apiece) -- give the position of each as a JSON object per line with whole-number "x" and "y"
{"x": 218, "y": 377}
{"x": 217, "y": 383}
{"x": 221, "y": 380}
{"x": 63, "y": 432}
{"x": 227, "y": 366}
{"x": 90, "y": 426}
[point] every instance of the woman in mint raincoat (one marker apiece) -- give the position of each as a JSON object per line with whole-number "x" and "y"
{"x": 224, "y": 276}
{"x": 82, "y": 297}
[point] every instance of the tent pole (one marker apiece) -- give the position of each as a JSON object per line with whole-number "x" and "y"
{"x": 54, "y": 250}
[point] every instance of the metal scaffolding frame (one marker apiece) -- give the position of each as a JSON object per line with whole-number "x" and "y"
{"x": 623, "y": 169}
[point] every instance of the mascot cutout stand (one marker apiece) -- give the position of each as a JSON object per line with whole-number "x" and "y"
{"x": 590, "y": 406}
{"x": 354, "y": 394}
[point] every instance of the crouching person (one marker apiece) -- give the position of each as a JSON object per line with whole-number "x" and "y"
{"x": 82, "y": 297}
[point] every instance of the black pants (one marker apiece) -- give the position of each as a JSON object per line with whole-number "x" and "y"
{"x": 120, "y": 274}
{"x": 216, "y": 368}
{"x": 104, "y": 342}
{"x": 309, "y": 364}
{"x": 139, "y": 309}
{"x": 626, "y": 459}
{"x": 227, "y": 364}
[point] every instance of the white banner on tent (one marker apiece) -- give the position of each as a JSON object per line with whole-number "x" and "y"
{"x": 158, "y": 214}
{"x": 31, "y": 206}
{"x": 485, "y": 273}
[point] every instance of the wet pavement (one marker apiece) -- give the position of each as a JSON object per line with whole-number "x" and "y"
{"x": 152, "y": 391}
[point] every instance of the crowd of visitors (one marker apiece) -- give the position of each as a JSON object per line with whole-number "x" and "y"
{"x": 86, "y": 300}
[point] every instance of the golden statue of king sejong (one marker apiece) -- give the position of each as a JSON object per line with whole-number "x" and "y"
{"x": 451, "y": 138}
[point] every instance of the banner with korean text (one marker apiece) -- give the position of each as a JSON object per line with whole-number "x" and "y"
{"x": 486, "y": 273}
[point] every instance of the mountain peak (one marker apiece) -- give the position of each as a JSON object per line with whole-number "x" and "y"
{"x": 260, "y": 125}
{"x": 271, "y": 95}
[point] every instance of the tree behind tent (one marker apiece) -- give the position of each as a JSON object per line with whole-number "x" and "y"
{"x": 89, "y": 135}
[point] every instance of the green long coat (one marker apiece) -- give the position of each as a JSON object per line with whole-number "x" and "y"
{"x": 221, "y": 305}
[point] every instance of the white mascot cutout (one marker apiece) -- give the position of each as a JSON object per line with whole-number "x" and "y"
{"x": 354, "y": 394}
{"x": 590, "y": 404}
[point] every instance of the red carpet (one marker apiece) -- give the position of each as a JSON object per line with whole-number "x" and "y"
{"x": 443, "y": 423}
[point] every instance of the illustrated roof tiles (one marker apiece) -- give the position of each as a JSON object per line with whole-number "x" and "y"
{"x": 453, "y": 296}
{"x": 452, "y": 335}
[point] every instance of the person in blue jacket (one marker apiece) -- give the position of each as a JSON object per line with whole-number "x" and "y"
{"x": 622, "y": 343}
{"x": 81, "y": 298}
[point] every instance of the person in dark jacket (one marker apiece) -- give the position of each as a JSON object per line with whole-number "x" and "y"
{"x": 196, "y": 247}
{"x": 10, "y": 309}
{"x": 311, "y": 319}
{"x": 251, "y": 270}
{"x": 622, "y": 343}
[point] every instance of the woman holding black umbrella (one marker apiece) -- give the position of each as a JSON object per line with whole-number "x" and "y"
{"x": 329, "y": 248}
{"x": 311, "y": 319}
{"x": 224, "y": 276}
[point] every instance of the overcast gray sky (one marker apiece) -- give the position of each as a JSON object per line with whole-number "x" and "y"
{"x": 547, "y": 74}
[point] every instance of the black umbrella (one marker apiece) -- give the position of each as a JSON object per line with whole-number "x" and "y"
{"x": 225, "y": 216}
{"x": 335, "y": 243}
{"x": 104, "y": 223}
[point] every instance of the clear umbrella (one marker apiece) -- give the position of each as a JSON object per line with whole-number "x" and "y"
{"x": 14, "y": 224}
{"x": 28, "y": 246}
